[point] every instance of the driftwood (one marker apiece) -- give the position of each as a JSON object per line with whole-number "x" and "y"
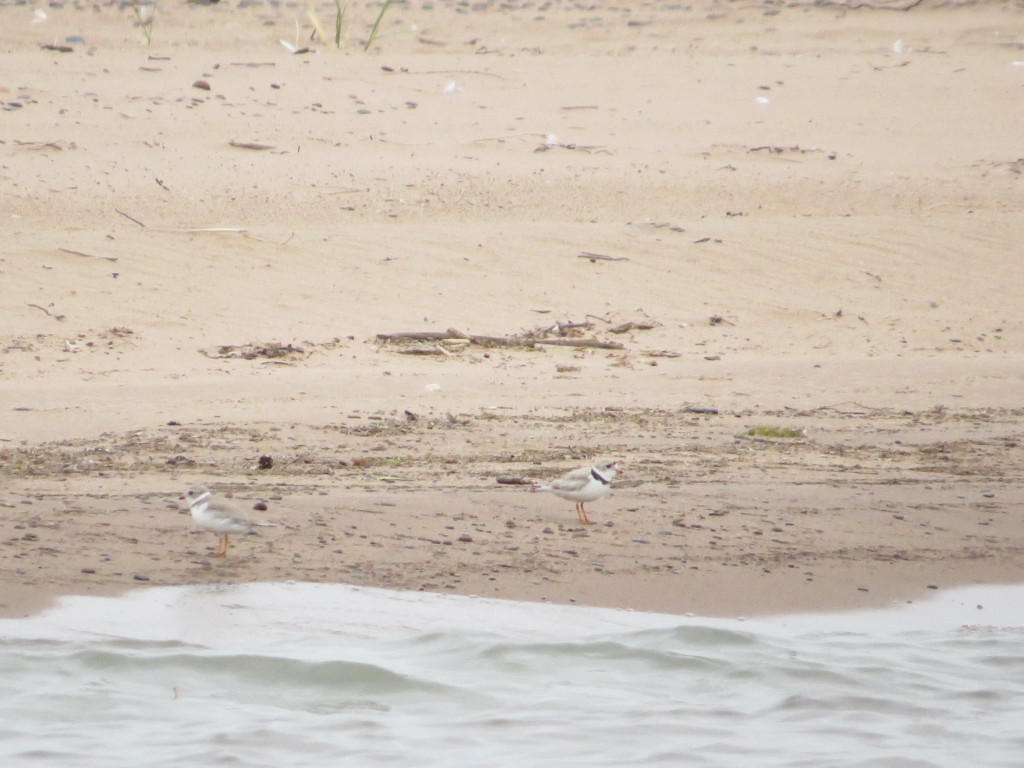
{"x": 526, "y": 341}
{"x": 422, "y": 351}
{"x": 515, "y": 480}
{"x": 251, "y": 144}
{"x": 591, "y": 343}
{"x": 631, "y": 326}
{"x": 415, "y": 336}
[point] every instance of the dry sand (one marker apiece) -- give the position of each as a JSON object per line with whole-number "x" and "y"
{"x": 812, "y": 217}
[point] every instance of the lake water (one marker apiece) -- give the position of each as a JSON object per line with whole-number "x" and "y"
{"x": 289, "y": 675}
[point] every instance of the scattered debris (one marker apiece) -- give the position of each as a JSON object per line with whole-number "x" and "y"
{"x": 764, "y": 431}
{"x": 272, "y": 350}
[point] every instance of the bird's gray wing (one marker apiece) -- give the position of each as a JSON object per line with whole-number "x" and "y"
{"x": 572, "y": 481}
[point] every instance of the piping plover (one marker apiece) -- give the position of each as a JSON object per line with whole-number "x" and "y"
{"x": 583, "y": 485}
{"x": 220, "y": 516}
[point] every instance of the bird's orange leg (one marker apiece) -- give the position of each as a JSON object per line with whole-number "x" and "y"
{"x": 582, "y": 512}
{"x": 222, "y": 547}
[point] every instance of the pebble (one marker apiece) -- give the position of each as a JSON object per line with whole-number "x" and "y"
{"x": 140, "y": 577}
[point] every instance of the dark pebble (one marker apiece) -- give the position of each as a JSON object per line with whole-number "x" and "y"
{"x": 140, "y": 577}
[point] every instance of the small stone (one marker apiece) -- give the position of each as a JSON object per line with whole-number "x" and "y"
{"x": 933, "y": 586}
{"x": 201, "y": 85}
{"x": 140, "y": 577}
{"x": 260, "y": 506}
{"x": 88, "y": 570}
{"x": 466, "y": 538}
{"x": 266, "y": 462}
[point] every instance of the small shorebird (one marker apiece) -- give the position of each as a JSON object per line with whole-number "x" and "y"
{"x": 583, "y": 485}
{"x": 220, "y": 516}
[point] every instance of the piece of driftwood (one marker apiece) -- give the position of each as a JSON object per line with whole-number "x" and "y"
{"x": 250, "y": 145}
{"x": 523, "y": 341}
{"x": 515, "y": 480}
{"x": 422, "y": 351}
{"x": 631, "y": 326}
{"x": 600, "y": 257}
{"x": 416, "y": 336}
{"x": 453, "y": 335}
{"x": 589, "y": 343}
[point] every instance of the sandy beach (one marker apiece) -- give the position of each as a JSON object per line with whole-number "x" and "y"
{"x": 767, "y": 256}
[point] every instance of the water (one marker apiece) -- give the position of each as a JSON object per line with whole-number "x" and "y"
{"x": 326, "y": 675}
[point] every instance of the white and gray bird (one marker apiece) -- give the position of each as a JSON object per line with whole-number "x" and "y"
{"x": 219, "y": 516}
{"x": 583, "y": 485}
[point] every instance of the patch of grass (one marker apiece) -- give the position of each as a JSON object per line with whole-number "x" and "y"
{"x": 145, "y": 14}
{"x": 763, "y": 430}
{"x": 376, "y": 24}
{"x": 339, "y": 17}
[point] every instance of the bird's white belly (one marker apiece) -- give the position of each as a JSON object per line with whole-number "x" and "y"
{"x": 217, "y": 523}
{"x": 590, "y": 492}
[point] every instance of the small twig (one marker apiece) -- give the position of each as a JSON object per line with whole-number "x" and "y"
{"x": 87, "y": 255}
{"x": 48, "y": 312}
{"x": 600, "y": 257}
{"x": 458, "y": 72}
{"x": 130, "y": 218}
